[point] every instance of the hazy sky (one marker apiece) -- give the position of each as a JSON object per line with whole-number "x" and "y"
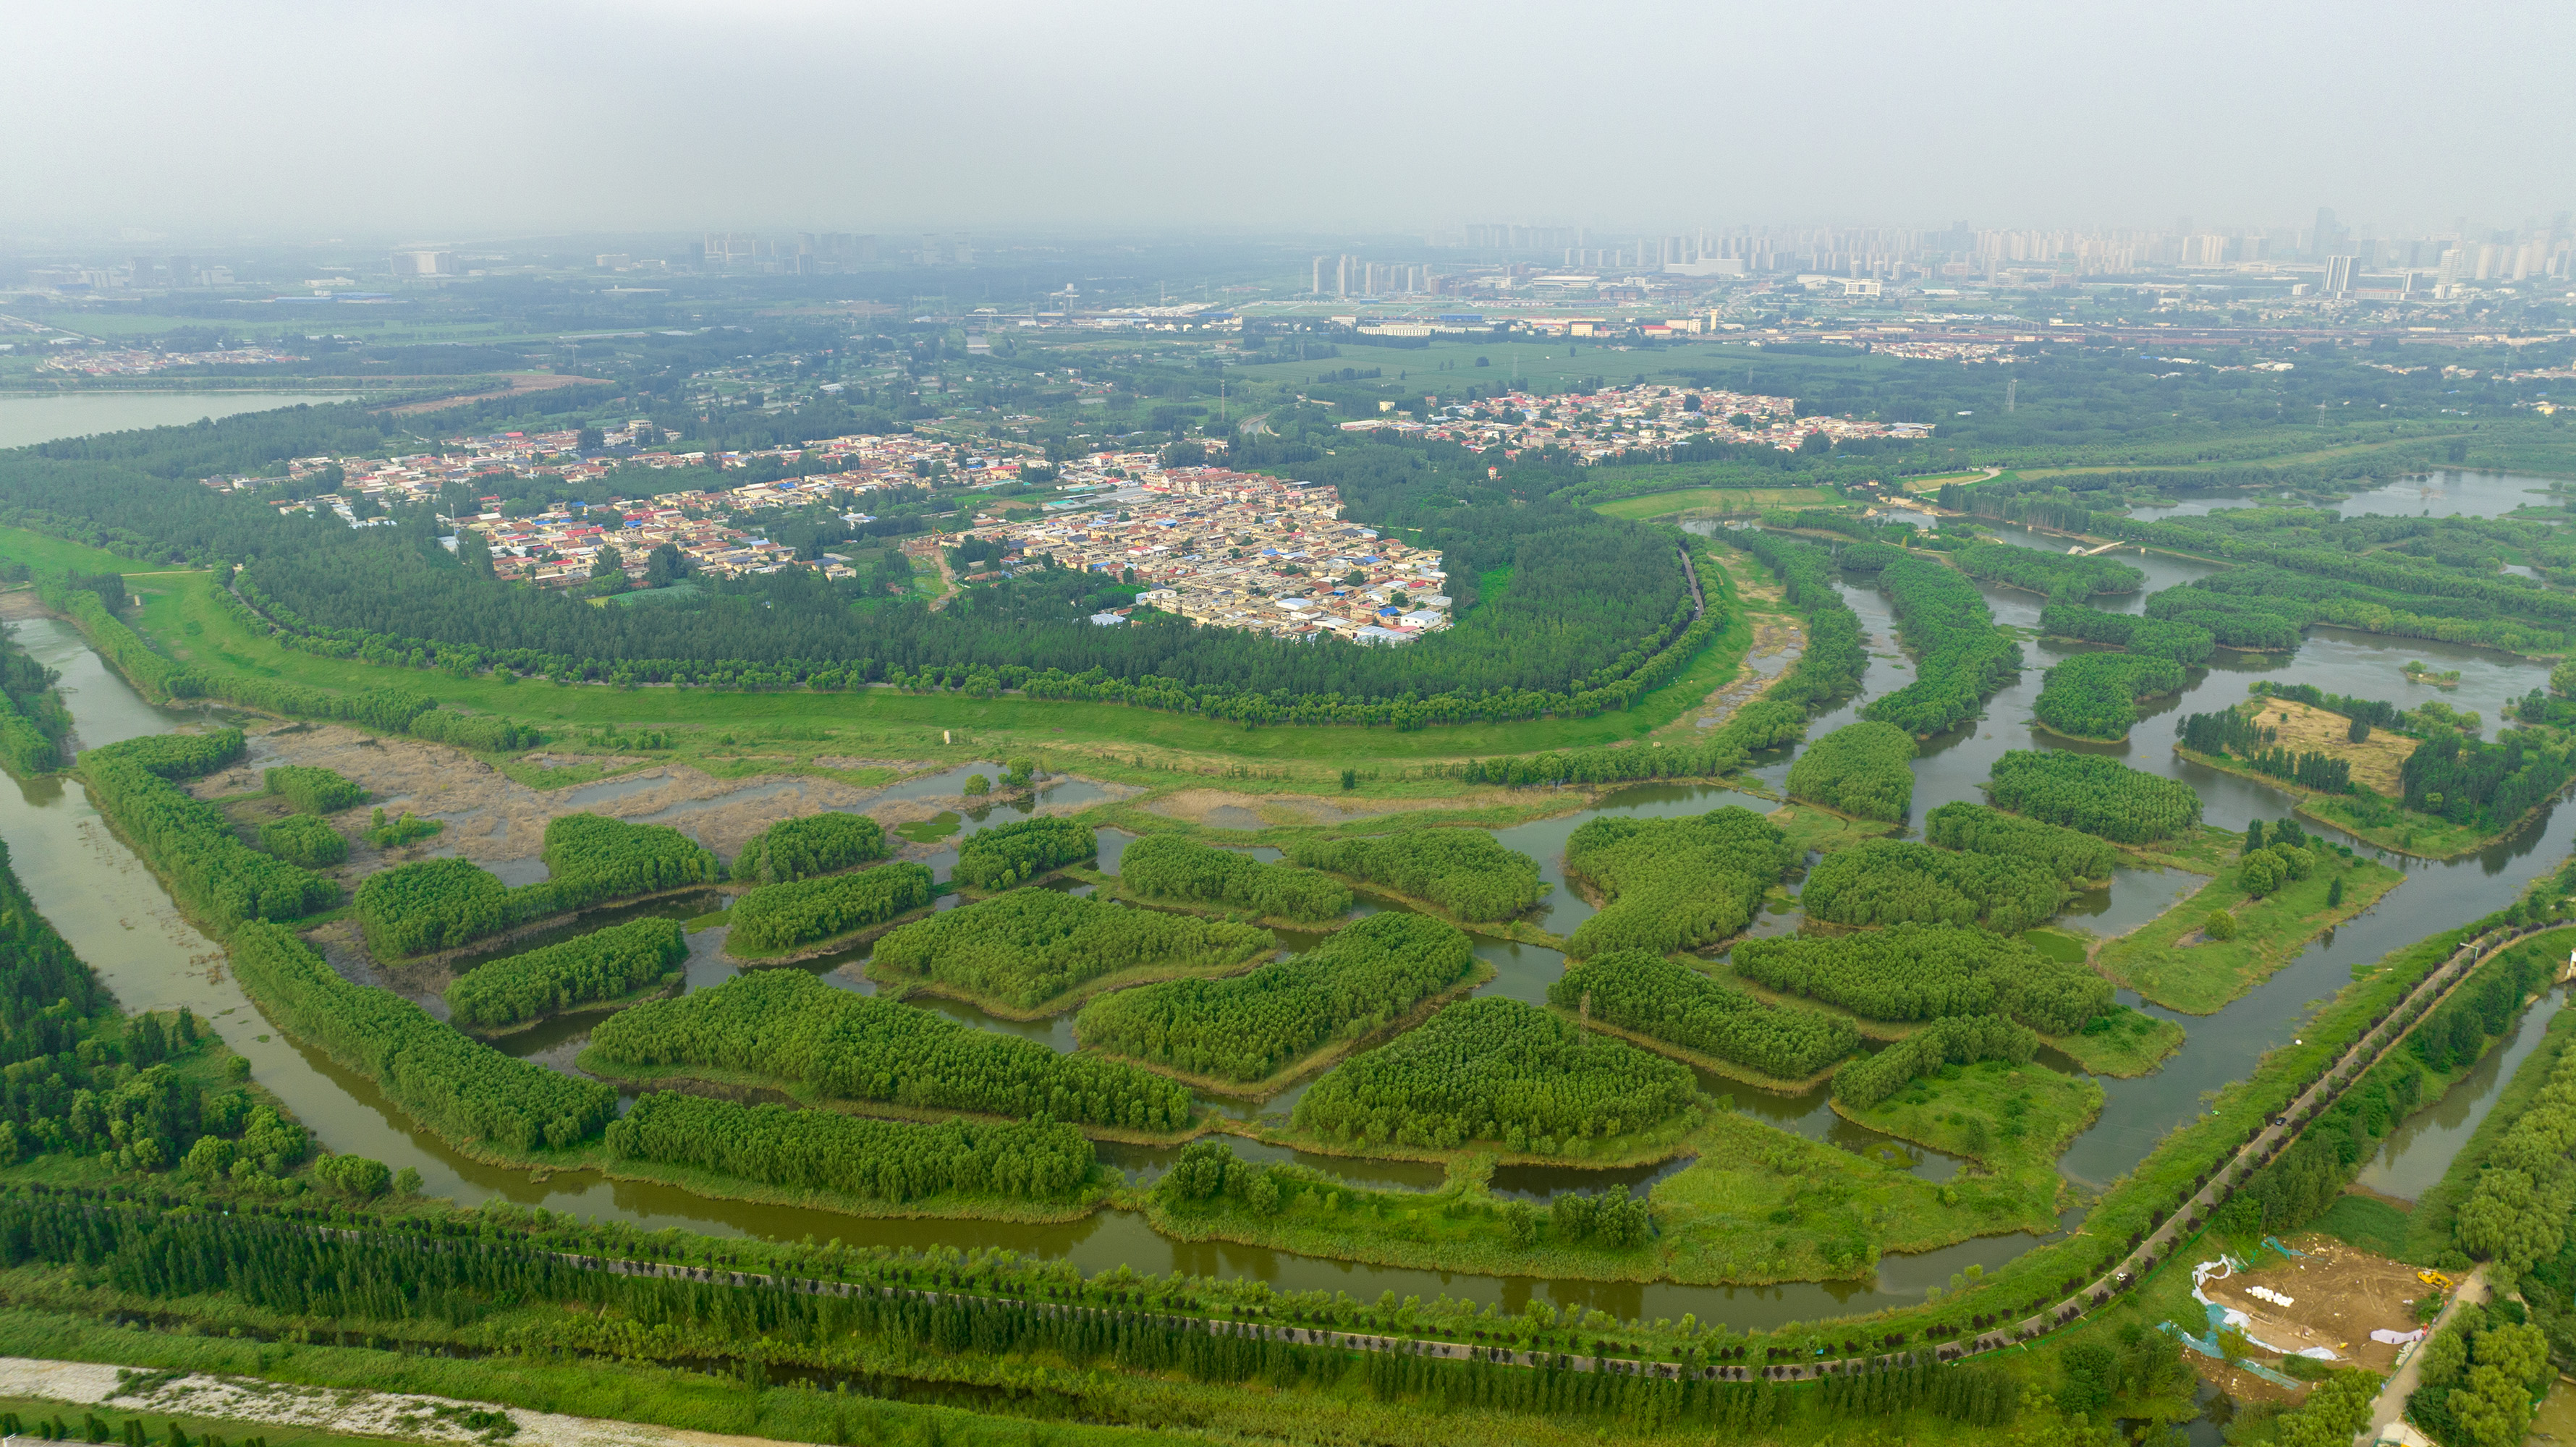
{"x": 441, "y": 119}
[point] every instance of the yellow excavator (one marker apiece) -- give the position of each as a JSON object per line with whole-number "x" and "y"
{"x": 2434, "y": 1279}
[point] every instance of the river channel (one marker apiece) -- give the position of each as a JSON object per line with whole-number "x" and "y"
{"x": 115, "y": 914}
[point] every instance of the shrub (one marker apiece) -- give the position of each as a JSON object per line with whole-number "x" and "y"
{"x": 313, "y": 790}
{"x": 2219, "y": 926}
{"x": 1861, "y": 769}
{"x": 355, "y": 1177}
{"x": 305, "y": 840}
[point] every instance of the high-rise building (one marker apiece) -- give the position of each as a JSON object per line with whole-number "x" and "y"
{"x": 1318, "y": 287}
{"x": 424, "y": 262}
{"x": 183, "y": 270}
{"x": 2327, "y": 239}
{"x": 2338, "y": 277}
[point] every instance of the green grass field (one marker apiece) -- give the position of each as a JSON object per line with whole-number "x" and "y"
{"x": 2166, "y": 961}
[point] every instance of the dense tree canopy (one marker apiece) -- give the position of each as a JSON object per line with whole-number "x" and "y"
{"x": 1168, "y": 866}
{"x": 1896, "y": 881}
{"x": 1496, "y": 1070}
{"x": 1030, "y": 946}
{"x": 1923, "y": 972}
{"x": 787, "y": 1025}
{"x": 2097, "y": 795}
{"x": 1248, "y": 1027}
{"x": 1862, "y": 769}
{"x": 1664, "y": 999}
{"x": 1464, "y": 871}
{"x": 1673, "y": 884}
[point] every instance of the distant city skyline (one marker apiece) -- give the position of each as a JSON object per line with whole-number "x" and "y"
{"x": 472, "y": 118}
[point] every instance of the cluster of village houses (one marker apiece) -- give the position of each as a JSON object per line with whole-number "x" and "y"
{"x": 1597, "y": 425}
{"x": 1231, "y": 549}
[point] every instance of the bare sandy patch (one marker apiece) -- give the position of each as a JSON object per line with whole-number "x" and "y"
{"x": 491, "y": 818}
{"x": 2375, "y": 761}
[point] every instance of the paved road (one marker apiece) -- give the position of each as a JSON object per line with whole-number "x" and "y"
{"x": 2390, "y": 1404}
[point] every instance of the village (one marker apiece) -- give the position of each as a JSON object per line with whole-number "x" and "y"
{"x": 1598, "y": 426}
{"x": 1232, "y": 550}
{"x": 558, "y": 544}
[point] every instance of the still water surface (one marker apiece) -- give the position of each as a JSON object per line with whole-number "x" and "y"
{"x": 27, "y": 420}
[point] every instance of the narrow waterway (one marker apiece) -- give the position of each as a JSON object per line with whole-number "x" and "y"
{"x": 115, "y": 914}
{"x": 2425, "y": 1143}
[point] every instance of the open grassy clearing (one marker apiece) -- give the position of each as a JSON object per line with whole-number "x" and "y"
{"x": 2170, "y": 961}
{"x": 1762, "y": 1205}
{"x": 2008, "y": 1118}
